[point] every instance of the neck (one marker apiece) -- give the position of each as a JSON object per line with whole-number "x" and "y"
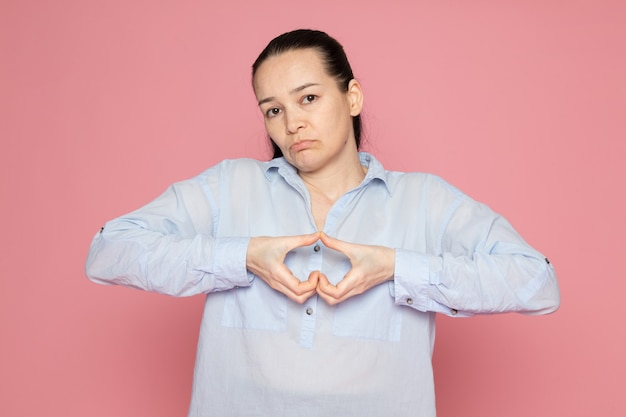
{"x": 333, "y": 183}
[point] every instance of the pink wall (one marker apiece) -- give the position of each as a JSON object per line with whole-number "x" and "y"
{"x": 104, "y": 103}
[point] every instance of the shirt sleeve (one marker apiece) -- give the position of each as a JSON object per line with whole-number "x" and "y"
{"x": 169, "y": 246}
{"x": 480, "y": 265}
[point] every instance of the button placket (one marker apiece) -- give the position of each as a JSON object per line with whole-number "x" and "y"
{"x": 307, "y": 328}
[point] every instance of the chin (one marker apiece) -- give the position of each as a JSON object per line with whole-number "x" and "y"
{"x": 305, "y": 163}
{"x": 308, "y": 167}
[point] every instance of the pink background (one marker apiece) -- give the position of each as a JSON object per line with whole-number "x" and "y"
{"x": 103, "y": 104}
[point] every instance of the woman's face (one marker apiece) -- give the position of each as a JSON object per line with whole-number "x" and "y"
{"x": 305, "y": 112}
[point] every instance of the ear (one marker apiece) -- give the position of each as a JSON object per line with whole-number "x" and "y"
{"x": 355, "y": 97}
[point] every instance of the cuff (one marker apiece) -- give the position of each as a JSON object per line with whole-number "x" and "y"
{"x": 229, "y": 264}
{"x": 416, "y": 277}
{"x": 411, "y": 279}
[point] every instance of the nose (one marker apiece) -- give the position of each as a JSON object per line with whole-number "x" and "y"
{"x": 294, "y": 121}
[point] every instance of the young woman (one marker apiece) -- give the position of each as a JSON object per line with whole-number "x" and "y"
{"x": 323, "y": 272}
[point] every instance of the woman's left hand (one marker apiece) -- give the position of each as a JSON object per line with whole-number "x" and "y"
{"x": 371, "y": 266}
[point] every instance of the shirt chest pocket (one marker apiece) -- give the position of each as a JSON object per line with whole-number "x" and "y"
{"x": 371, "y": 315}
{"x": 255, "y": 307}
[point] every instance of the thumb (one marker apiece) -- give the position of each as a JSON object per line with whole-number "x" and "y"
{"x": 315, "y": 277}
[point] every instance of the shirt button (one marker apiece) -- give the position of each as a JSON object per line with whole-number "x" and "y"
{"x": 453, "y": 312}
{"x": 317, "y": 248}
{"x": 409, "y": 301}
{"x": 309, "y": 311}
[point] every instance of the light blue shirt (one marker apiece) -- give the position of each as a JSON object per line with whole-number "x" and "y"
{"x": 261, "y": 354}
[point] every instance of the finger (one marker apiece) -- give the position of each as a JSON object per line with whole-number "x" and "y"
{"x": 348, "y": 287}
{"x": 328, "y": 298}
{"x": 331, "y": 242}
{"x": 301, "y": 298}
{"x": 314, "y": 277}
{"x": 336, "y": 244}
{"x": 325, "y": 290}
{"x": 294, "y": 289}
{"x": 332, "y": 294}
{"x": 324, "y": 284}
{"x": 294, "y": 285}
{"x": 303, "y": 240}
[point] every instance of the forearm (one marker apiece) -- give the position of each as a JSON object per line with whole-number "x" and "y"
{"x": 484, "y": 283}
{"x": 125, "y": 254}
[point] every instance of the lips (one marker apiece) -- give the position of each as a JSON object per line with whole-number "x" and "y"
{"x": 301, "y": 145}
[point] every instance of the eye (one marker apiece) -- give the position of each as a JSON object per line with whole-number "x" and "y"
{"x": 309, "y": 98}
{"x": 274, "y": 111}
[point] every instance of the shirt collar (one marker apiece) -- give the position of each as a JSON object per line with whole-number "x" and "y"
{"x": 375, "y": 170}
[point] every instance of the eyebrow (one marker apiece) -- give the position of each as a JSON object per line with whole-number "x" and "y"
{"x": 295, "y": 90}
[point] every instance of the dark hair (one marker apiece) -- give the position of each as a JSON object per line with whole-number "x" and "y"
{"x": 335, "y": 60}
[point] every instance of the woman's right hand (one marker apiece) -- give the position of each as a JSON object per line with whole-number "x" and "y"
{"x": 266, "y": 259}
